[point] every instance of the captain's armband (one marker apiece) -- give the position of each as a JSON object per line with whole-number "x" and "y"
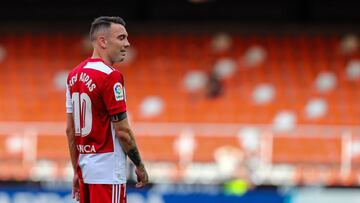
{"x": 118, "y": 117}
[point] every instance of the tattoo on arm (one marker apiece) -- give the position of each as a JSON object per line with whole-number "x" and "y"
{"x": 134, "y": 156}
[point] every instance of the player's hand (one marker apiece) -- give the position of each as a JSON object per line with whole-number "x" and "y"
{"x": 142, "y": 176}
{"x": 76, "y": 187}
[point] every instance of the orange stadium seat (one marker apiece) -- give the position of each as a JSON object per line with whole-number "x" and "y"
{"x": 51, "y": 147}
{"x": 204, "y": 151}
{"x": 307, "y": 149}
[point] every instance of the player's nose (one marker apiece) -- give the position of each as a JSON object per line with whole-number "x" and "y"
{"x": 127, "y": 44}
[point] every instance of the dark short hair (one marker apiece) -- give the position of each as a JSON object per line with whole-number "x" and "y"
{"x": 104, "y": 22}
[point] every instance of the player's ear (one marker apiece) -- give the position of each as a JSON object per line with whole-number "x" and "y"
{"x": 102, "y": 42}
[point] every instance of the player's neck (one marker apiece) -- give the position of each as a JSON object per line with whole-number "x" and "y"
{"x": 102, "y": 57}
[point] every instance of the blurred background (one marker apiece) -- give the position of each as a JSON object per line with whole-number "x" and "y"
{"x": 231, "y": 101}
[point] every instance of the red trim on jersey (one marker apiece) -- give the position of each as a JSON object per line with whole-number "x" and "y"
{"x": 102, "y": 193}
{"x": 95, "y": 60}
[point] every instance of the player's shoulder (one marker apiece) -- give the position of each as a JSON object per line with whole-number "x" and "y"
{"x": 116, "y": 73}
{"x": 116, "y": 76}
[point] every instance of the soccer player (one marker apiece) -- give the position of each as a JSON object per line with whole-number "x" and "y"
{"x": 98, "y": 131}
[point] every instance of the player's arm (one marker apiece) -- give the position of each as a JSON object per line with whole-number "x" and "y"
{"x": 128, "y": 143}
{"x": 70, "y": 133}
{"x": 70, "y": 128}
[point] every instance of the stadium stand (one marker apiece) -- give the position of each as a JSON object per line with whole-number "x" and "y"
{"x": 289, "y": 81}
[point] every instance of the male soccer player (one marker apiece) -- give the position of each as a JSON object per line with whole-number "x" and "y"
{"x": 98, "y": 131}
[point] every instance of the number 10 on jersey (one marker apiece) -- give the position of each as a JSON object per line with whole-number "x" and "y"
{"x": 82, "y": 113}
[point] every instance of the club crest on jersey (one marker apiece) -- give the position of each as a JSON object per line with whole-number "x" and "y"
{"x": 118, "y": 92}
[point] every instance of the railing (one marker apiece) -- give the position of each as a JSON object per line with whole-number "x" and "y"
{"x": 195, "y": 144}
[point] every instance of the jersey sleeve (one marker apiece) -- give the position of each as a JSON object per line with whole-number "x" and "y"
{"x": 114, "y": 93}
{"x": 69, "y": 107}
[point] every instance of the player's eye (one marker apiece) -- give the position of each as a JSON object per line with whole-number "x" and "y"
{"x": 121, "y": 37}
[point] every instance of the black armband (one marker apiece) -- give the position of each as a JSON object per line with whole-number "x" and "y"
{"x": 134, "y": 156}
{"x": 118, "y": 117}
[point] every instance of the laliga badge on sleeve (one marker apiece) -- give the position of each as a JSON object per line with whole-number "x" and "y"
{"x": 118, "y": 92}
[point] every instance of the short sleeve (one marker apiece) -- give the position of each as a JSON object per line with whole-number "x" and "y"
{"x": 69, "y": 107}
{"x": 114, "y": 93}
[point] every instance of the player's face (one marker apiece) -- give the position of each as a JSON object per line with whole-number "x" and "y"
{"x": 117, "y": 43}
